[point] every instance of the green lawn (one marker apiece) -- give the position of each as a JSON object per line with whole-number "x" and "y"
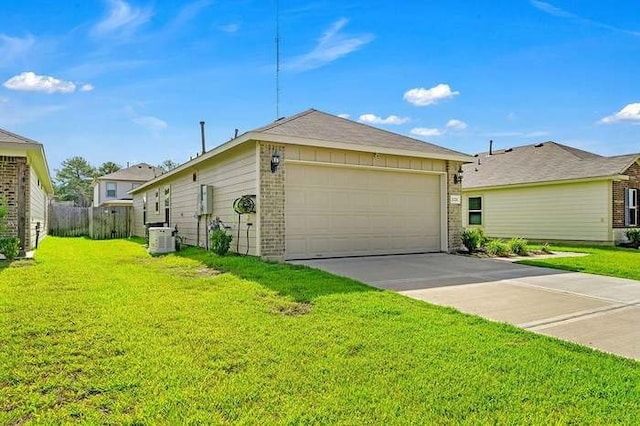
{"x": 99, "y": 332}
{"x": 602, "y": 260}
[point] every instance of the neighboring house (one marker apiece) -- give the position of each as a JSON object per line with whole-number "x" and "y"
{"x": 26, "y": 187}
{"x": 552, "y": 192}
{"x": 113, "y": 189}
{"x": 323, "y": 186}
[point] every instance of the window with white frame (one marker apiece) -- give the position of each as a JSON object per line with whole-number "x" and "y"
{"x": 157, "y": 205}
{"x": 167, "y": 196}
{"x": 631, "y": 207}
{"x": 475, "y": 210}
{"x": 112, "y": 190}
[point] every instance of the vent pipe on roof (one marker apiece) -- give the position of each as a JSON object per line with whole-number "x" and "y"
{"x": 235, "y": 135}
{"x": 491, "y": 147}
{"x": 202, "y": 136}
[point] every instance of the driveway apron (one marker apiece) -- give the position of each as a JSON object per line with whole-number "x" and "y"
{"x": 592, "y": 310}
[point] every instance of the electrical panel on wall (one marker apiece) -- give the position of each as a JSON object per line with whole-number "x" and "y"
{"x": 206, "y": 199}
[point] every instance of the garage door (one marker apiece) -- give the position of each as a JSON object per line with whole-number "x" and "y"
{"x": 338, "y": 211}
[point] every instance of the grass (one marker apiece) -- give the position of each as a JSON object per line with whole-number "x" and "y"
{"x": 99, "y": 332}
{"x": 601, "y": 260}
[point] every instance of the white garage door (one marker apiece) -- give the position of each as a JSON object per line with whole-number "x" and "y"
{"x": 338, "y": 211}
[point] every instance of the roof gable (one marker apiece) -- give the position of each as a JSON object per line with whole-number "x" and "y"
{"x": 141, "y": 172}
{"x": 543, "y": 162}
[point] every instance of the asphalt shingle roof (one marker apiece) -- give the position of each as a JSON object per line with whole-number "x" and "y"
{"x": 319, "y": 125}
{"x": 6, "y": 136}
{"x": 138, "y": 172}
{"x": 544, "y": 162}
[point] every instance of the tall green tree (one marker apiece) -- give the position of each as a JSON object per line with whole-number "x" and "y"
{"x": 108, "y": 167}
{"x": 168, "y": 165}
{"x": 74, "y": 180}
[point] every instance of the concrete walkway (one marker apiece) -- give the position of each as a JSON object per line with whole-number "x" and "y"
{"x": 601, "y": 312}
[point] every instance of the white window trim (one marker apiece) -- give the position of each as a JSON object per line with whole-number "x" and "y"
{"x": 631, "y": 207}
{"x": 157, "y": 204}
{"x": 115, "y": 189}
{"x": 481, "y": 211}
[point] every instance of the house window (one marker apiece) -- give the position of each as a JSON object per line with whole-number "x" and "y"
{"x": 167, "y": 196}
{"x": 157, "y": 210}
{"x": 631, "y": 207}
{"x": 112, "y": 189}
{"x": 475, "y": 210}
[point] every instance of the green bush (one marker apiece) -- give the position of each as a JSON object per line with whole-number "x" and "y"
{"x": 473, "y": 239}
{"x": 519, "y": 246}
{"x": 10, "y": 247}
{"x": 220, "y": 242}
{"x": 634, "y": 237}
{"x": 498, "y": 248}
{"x": 545, "y": 248}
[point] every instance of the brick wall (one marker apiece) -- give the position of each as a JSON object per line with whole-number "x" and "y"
{"x": 454, "y": 211}
{"x": 10, "y": 168}
{"x": 271, "y": 203}
{"x": 618, "y": 193}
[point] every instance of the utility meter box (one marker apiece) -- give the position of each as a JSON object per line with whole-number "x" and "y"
{"x": 205, "y": 205}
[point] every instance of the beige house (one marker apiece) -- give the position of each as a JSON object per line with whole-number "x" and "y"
{"x": 26, "y": 187}
{"x": 113, "y": 189}
{"x": 323, "y": 186}
{"x": 552, "y": 192}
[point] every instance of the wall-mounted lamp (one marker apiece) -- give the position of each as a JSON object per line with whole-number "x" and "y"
{"x": 457, "y": 178}
{"x": 275, "y": 161}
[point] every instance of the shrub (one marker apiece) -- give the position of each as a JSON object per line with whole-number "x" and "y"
{"x": 10, "y": 247}
{"x": 519, "y": 246}
{"x": 634, "y": 237}
{"x": 497, "y": 248}
{"x": 545, "y": 248}
{"x": 473, "y": 239}
{"x": 220, "y": 242}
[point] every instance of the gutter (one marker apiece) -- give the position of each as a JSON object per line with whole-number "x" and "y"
{"x": 615, "y": 177}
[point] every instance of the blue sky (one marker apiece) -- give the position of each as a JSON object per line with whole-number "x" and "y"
{"x": 129, "y": 81}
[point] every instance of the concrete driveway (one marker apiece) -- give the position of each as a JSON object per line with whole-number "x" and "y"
{"x": 601, "y": 312}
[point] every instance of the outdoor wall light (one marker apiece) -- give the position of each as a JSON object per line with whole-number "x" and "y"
{"x": 275, "y": 161}
{"x": 457, "y": 178}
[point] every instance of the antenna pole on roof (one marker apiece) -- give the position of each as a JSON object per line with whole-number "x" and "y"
{"x": 277, "y": 59}
{"x": 491, "y": 147}
{"x": 202, "y": 136}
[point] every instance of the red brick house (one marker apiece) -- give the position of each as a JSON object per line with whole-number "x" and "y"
{"x": 25, "y": 186}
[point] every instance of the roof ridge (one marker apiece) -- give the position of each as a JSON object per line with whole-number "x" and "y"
{"x": 282, "y": 120}
{"x": 15, "y": 135}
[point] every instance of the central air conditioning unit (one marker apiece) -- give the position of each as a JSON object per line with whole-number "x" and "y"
{"x": 161, "y": 240}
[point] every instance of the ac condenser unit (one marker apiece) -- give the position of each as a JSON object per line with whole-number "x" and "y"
{"x": 161, "y": 240}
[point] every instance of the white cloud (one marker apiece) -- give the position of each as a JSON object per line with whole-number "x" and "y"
{"x": 629, "y": 113}
{"x": 121, "y": 18}
{"x": 424, "y": 97}
{"x": 426, "y": 131}
{"x": 230, "y": 28}
{"x": 344, "y": 116}
{"x": 332, "y": 45}
{"x": 550, "y": 9}
{"x": 456, "y": 124}
{"x": 374, "y": 119}
{"x": 31, "y": 82}
{"x": 13, "y": 48}
{"x": 87, "y": 87}
{"x": 150, "y": 123}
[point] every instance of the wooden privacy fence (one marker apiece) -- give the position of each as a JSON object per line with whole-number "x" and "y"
{"x": 98, "y": 223}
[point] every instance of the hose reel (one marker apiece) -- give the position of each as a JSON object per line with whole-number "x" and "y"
{"x": 245, "y": 204}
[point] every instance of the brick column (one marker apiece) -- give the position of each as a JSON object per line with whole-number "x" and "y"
{"x": 12, "y": 171}
{"x": 271, "y": 203}
{"x": 454, "y": 211}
